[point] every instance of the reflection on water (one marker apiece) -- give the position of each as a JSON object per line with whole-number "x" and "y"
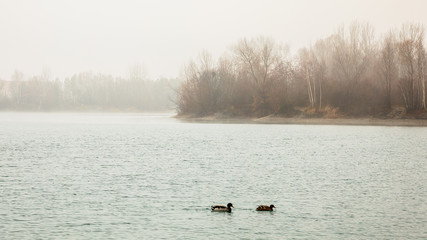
{"x": 150, "y": 176}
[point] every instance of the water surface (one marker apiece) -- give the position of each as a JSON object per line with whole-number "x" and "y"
{"x": 149, "y": 176}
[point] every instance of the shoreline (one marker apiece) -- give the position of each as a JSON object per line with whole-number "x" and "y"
{"x": 308, "y": 121}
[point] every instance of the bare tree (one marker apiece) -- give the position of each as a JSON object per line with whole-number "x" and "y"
{"x": 412, "y": 64}
{"x": 226, "y": 74}
{"x": 387, "y": 65}
{"x": 421, "y": 66}
{"x": 259, "y": 57}
{"x": 352, "y": 53}
{"x": 308, "y": 66}
{"x": 137, "y": 72}
{"x": 282, "y": 77}
{"x": 202, "y": 89}
{"x": 312, "y": 67}
{"x": 17, "y": 79}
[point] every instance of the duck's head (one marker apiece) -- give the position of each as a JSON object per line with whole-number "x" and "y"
{"x": 230, "y": 205}
{"x": 272, "y": 206}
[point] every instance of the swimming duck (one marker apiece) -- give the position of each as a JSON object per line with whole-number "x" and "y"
{"x": 222, "y": 208}
{"x": 265, "y": 208}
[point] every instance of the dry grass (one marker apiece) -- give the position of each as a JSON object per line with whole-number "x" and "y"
{"x": 331, "y": 112}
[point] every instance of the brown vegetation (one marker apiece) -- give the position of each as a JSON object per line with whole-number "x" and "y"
{"x": 346, "y": 74}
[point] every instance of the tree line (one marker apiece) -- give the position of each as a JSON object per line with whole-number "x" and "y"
{"x": 87, "y": 92}
{"x": 350, "y": 73}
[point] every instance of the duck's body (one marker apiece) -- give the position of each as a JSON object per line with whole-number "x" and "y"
{"x": 222, "y": 208}
{"x": 265, "y": 208}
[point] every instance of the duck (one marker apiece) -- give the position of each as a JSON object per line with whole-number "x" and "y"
{"x": 265, "y": 208}
{"x": 222, "y": 208}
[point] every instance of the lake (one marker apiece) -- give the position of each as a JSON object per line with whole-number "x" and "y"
{"x": 150, "y": 176}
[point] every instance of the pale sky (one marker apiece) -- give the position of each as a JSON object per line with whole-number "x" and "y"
{"x": 73, "y": 36}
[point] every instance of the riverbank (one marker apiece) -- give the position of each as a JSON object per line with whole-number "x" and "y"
{"x": 308, "y": 121}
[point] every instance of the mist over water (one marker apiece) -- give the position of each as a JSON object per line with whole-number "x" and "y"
{"x": 149, "y": 176}
{"x": 82, "y": 157}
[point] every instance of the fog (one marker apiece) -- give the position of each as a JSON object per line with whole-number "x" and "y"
{"x": 214, "y": 57}
{"x": 69, "y": 37}
{"x": 192, "y": 119}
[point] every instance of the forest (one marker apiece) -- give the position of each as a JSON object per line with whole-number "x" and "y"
{"x": 87, "y": 91}
{"x": 350, "y": 73}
